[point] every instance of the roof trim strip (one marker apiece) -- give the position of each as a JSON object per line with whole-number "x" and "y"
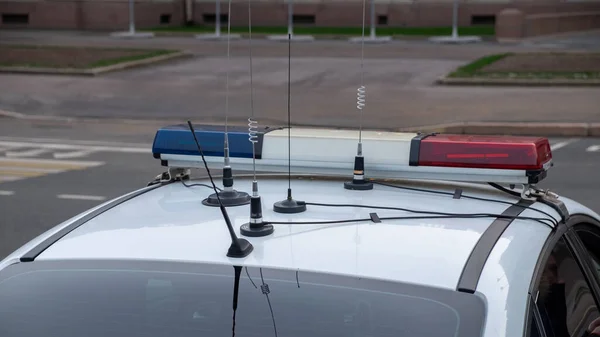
{"x": 38, "y": 249}
{"x": 472, "y": 271}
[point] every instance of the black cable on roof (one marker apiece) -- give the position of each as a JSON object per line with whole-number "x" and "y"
{"x": 435, "y": 215}
{"x": 505, "y": 190}
{"x": 198, "y": 184}
{"x": 554, "y": 221}
{"x": 409, "y": 210}
{"x": 465, "y": 216}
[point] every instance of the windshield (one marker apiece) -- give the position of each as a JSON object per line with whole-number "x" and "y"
{"x": 158, "y": 299}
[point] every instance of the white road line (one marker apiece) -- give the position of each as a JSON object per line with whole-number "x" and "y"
{"x": 562, "y": 144}
{"x": 6, "y": 193}
{"x": 27, "y": 153}
{"x": 51, "y": 162}
{"x": 57, "y": 146}
{"x": 80, "y": 197}
{"x": 74, "y": 142}
{"x": 6, "y": 178}
{"x": 72, "y": 154}
{"x": 30, "y": 169}
{"x": 593, "y": 148}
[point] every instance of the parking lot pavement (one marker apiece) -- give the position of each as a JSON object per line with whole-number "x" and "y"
{"x": 399, "y": 78}
{"x": 587, "y": 40}
{"x": 46, "y": 181}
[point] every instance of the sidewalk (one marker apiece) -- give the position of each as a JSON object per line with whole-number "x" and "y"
{"x": 399, "y": 79}
{"x": 422, "y": 49}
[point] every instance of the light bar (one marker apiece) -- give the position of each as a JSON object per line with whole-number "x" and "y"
{"x": 500, "y": 152}
{"x": 178, "y": 139}
{"x": 499, "y": 159}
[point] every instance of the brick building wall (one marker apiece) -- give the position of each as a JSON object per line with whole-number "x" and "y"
{"x": 113, "y": 14}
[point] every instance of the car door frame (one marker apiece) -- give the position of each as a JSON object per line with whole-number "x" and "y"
{"x": 582, "y": 252}
{"x": 563, "y": 230}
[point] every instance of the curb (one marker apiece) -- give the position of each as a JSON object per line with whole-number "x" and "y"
{"x": 317, "y": 37}
{"x": 255, "y": 36}
{"x": 513, "y": 128}
{"x": 98, "y": 70}
{"x": 517, "y": 82}
{"x": 480, "y": 128}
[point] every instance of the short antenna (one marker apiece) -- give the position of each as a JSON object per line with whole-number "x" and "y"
{"x": 239, "y": 247}
{"x": 358, "y": 181}
{"x": 228, "y": 196}
{"x": 256, "y": 227}
{"x": 289, "y": 205}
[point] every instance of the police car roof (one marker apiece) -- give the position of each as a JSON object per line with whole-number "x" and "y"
{"x": 170, "y": 223}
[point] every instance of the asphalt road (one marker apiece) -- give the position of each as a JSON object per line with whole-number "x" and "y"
{"x": 46, "y": 179}
{"x": 399, "y": 78}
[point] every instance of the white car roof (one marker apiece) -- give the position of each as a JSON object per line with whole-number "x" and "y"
{"x": 169, "y": 223}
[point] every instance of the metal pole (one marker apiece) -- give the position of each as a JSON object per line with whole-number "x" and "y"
{"x": 455, "y": 19}
{"x": 290, "y": 17}
{"x": 131, "y": 17}
{"x": 218, "y": 18}
{"x": 372, "y": 19}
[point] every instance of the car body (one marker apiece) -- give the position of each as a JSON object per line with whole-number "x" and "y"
{"x": 467, "y": 276}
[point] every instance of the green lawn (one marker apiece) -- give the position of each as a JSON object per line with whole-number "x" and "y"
{"x": 474, "y": 70}
{"x": 146, "y": 55}
{"x": 412, "y": 31}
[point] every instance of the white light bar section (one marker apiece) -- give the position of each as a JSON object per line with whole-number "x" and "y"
{"x": 332, "y": 152}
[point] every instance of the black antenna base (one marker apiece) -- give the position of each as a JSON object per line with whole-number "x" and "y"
{"x": 358, "y": 182}
{"x": 240, "y": 248}
{"x": 360, "y": 185}
{"x": 289, "y": 205}
{"x": 229, "y": 196}
{"x": 256, "y": 227}
{"x": 255, "y": 230}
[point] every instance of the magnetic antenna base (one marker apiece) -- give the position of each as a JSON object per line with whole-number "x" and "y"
{"x": 243, "y": 248}
{"x": 228, "y": 198}
{"x": 263, "y": 230}
{"x": 289, "y": 206}
{"x": 359, "y": 186}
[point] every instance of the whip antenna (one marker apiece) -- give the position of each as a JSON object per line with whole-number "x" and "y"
{"x": 256, "y": 227}
{"x": 358, "y": 181}
{"x": 289, "y": 205}
{"x": 228, "y": 196}
{"x": 239, "y": 247}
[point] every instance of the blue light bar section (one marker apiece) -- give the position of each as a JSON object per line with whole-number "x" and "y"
{"x": 178, "y": 139}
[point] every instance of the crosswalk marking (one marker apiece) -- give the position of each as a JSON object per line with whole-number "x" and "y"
{"x": 13, "y": 169}
{"x": 6, "y": 193}
{"x": 75, "y": 147}
{"x": 593, "y": 148}
{"x": 5, "y": 179}
{"x": 27, "y": 153}
{"x": 46, "y": 163}
{"x": 21, "y": 173}
{"x": 559, "y": 145}
{"x": 72, "y": 154}
{"x": 21, "y": 158}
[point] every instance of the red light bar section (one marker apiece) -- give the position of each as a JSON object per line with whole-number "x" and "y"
{"x": 492, "y": 152}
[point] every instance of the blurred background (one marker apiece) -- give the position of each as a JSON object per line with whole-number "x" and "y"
{"x": 84, "y": 85}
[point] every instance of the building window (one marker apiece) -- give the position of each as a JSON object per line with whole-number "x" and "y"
{"x": 483, "y": 20}
{"x": 12, "y": 18}
{"x": 165, "y": 19}
{"x": 211, "y": 18}
{"x": 382, "y": 20}
{"x": 303, "y": 19}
